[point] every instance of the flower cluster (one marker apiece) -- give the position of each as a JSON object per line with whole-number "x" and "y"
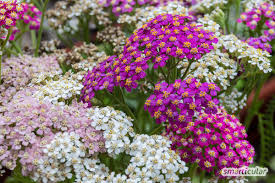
{"x": 67, "y": 15}
{"x": 116, "y": 126}
{"x": 255, "y": 15}
{"x": 19, "y": 71}
{"x": 28, "y": 124}
{"x": 10, "y": 12}
{"x": 260, "y": 42}
{"x": 245, "y": 53}
{"x": 178, "y": 102}
{"x": 127, "y": 6}
{"x": 49, "y": 46}
{"x": 144, "y": 14}
{"x": 153, "y": 160}
{"x": 30, "y": 15}
{"x": 79, "y": 53}
{"x": 58, "y": 89}
{"x": 206, "y": 5}
{"x": 65, "y": 153}
{"x": 233, "y": 101}
{"x": 213, "y": 141}
{"x": 113, "y": 35}
{"x": 214, "y": 67}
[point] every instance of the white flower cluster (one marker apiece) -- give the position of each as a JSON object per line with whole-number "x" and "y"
{"x": 250, "y": 4}
{"x": 244, "y": 52}
{"x": 62, "y": 157}
{"x": 142, "y": 15}
{"x": 59, "y": 90}
{"x": 206, "y": 5}
{"x": 116, "y": 126}
{"x": 209, "y": 24}
{"x": 67, "y": 14}
{"x": 90, "y": 62}
{"x": 153, "y": 160}
{"x": 238, "y": 180}
{"x": 215, "y": 67}
{"x": 233, "y": 101}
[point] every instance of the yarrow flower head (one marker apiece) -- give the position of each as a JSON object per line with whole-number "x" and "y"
{"x": 213, "y": 141}
{"x": 127, "y": 6}
{"x": 9, "y": 12}
{"x": 263, "y": 12}
{"x": 28, "y": 124}
{"x": 178, "y": 102}
{"x": 101, "y": 77}
{"x": 260, "y": 43}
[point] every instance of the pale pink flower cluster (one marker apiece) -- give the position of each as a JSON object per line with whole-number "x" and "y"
{"x": 17, "y": 72}
{"x": 29, "y": 124}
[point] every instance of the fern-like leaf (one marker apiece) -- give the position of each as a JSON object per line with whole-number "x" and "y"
{"x": 267, "y": 132}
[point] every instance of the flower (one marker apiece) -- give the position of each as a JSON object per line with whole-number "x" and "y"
{"x": 127, "y": 6}
{"x": 213, "y": 141}
{"x": 153, "y": 160}
{"x": 206, "y": 5}
{"x": 10, "y": 11}
{"x": 116, "y": 126}
{"x": 144, "y": 14}
{"x": 27, "y": 125}
{"x": 101, "y": 77}
{"x": 260, "y": 43}
{"x": 58, "y": 89}
{"x": 264, "y": 11}
{"x": 18, "y": 72}
{"x": 64, "y": 17}
{"x": 178, "y": 102}
{"x": 164, "y": 37}
{"x": 233, "y": 101}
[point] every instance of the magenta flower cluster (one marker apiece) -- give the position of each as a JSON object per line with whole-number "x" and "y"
{"x": 178, "y": 102}
{"x": 260, "y": 43}
{"x": 30, "y": 15}
{"x": 265, "y": 12}
{"x": 213, "y": 141}
{"x": 27, "y": 124}
{"x": 10, "y": 11}
{"x": 164, "y": 38}
{"x": 101, "y": 77}
{"x": 127, "y": 6}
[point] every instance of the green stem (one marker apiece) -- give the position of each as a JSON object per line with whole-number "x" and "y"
{"x": 164, "y": 75}
{"x": 33, "y": 36}
{"x": 156, "y": 130}
{"x": 237, "y": 15}
{"x": 193, "y": 171}
{"x": 202, "y": 176}
{"x": 41, "y": 28}
{"x": 256, "y": 103}
{"x": 123, "y": 104}
{"x": 16, "y": 46}
{"x": 2, "y": 48}
{"x": 187, "y": 69}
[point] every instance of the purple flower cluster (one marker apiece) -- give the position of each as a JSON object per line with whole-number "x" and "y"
{"x": 213, "y": 141}
{"x": 178, "y": 102}
{"x": 101, "y": 77}
{"x": 260, "y": 43}
{"x": 127, "y": 6}
{"x": 164, "y": 38}
{"x": 30, "y": 15}
{"x": 27, "y": 124}
{"x": 9, "y": 13}
{"x": 264, "y": 12}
